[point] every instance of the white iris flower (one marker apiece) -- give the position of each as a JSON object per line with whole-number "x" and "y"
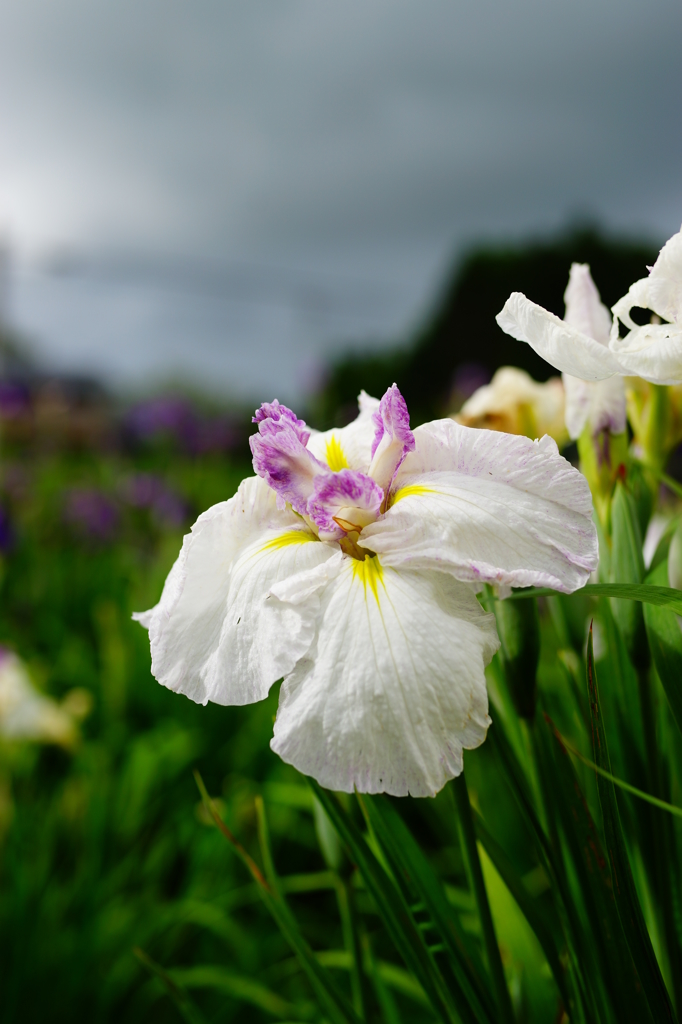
{"x": 348, "y": 566}
{"x": 654, "y": 351}
{"x": 578, "y": 345}
{"x": 26, "y": 714}
{"x": 516, "y": 404}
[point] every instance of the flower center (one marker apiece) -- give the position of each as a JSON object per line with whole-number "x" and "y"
{"x": 337, "y": 500}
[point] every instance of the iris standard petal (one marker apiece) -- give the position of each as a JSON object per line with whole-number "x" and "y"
{"x": 561, "y": 345}
{"x": 393, "y": 688}
{"x": 488, "y": 507}
{"x": 584, "y": 309}
{"x": 348, "y": 447}
{"x": 601, "y": 403}
{"x": 207, "y": 638}
{"x": 661, "y": 291}
{"x": 653, "y": 352}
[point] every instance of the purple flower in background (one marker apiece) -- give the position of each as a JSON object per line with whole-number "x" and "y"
{"x": 91, "y": 512}
{"x": 6, "y": 531}
{"x": 175, "y": 420}
{"x": 14, "y": 399}
{"x": 147, "y": 491}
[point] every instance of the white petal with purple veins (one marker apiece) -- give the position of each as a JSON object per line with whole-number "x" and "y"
{"x": 207, "y": 637}
{"x": 653, "y": 352}
{"x": 393, "y": 688}
{"x": 393, "y": 438}
{"x": 342, "y": 501}
{"x": 285, "y": 464}
{"x": 488, "y": 507}
{"x": 584, "y": 309}
{"x": 560, "y": 344}
{"x": 601, "y": 403}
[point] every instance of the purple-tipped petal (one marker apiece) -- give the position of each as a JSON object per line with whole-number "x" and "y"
{"x": 285, "y": 464}
{"x": 393, "y": 438}
{"x": 273, "y": 415}
{"x": 392, "y": 419}
{"x": 348, "y": 496}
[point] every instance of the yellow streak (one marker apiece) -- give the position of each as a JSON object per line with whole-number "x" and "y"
{"x": 370, "y": 574}
{"x": 285, "y": 539}
{"x": 411, "y": 489}
{"x": 336, "y": 459}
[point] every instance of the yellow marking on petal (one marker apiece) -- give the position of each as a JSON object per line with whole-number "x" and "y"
{"x": 336, "y": 458}
{"x": 285, "y": 539}
{"x": 370, "y": 574}
{"x": 409, "y": 490}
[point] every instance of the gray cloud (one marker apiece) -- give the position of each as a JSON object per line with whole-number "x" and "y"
{"x": 369, "y": 139}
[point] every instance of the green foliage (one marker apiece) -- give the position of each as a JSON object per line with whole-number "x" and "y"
{"x": 537, "y": 891}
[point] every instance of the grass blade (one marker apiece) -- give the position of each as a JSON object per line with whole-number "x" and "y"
{"x": 393, "y": 909}
{"x": 331, "y": 1000}
{"x": 663, "y": 597}
{"x": 186, "y": 1007}
{"x": 527, "y": 905}
{"x": 408, "y": 861}
{"x": 625, "y": 893}
{"x": 473, "y": 863}
{"x": 239, "y": 987}
{"x": 665, "y": 642}
{"x": 590, "y": 866}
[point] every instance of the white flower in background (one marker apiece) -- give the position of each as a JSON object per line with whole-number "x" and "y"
{"x": 516, "y": 404}
{"x": 578, "y": 345}
{"x": 346, "y": 567}
{"x": 654, "y": 351}
{"x": 26, "y": 714}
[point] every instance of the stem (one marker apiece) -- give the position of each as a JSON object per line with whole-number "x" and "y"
{"x": 472, "y": 862}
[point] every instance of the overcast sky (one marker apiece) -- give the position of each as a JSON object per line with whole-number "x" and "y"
{"x": 362, "y": 141}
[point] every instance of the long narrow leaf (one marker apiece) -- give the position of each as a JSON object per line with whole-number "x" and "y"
{"x": 238, "y": 986}
{"x": 188, "y": 1011}
{"x": 664, "y": 597}
{"x": 526, "y": 903}
{"x": 394, "y": 911}
{"x": 591, "y": 867}
{"x": 330, "y": 998}
{"x": 654, "y": 801}
{"x": 625, "y": 893}
{"x": 665, "y": 642}
{"x": 404, "y": 851}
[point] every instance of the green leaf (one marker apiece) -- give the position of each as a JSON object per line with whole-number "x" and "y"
{"x": 627, "y": 901}
{"x": 392, "y": 907}
{"x": 663, "y": 597}
{"x": 627, "y": 566}
{"x": 238, "y": 986}
{"x": 331, "y": 1000}
{"x": 186, "y": 1007}
{"x": 578, "y": 941}
{"x": 477, "y": 885}
{"x": 408, "y": 861}
{"x": 528, "y": 906}
{"x": 591, "y": 868}
{"x": 665, "y": 641}
{"x": 654, "y": 801}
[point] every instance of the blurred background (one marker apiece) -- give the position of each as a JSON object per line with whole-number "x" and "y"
{"x": 207, "y": 206}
